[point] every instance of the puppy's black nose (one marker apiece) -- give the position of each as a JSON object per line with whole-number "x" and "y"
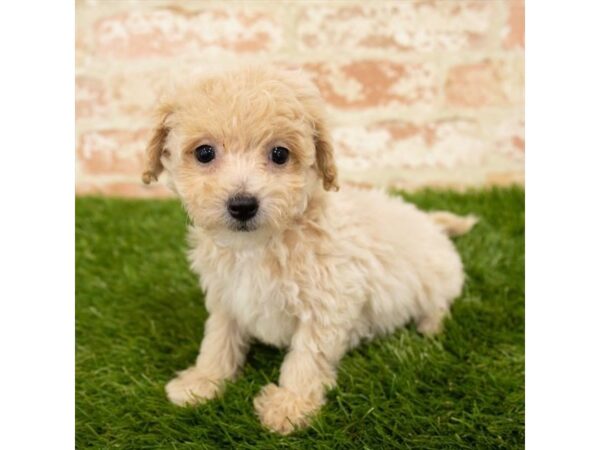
{"x": 242, "y": 207}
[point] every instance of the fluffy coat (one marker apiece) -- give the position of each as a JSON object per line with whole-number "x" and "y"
{"x": 316, "y": 271}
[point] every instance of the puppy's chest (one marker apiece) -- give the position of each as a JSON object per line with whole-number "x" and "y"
{"x": 260, "y": 301}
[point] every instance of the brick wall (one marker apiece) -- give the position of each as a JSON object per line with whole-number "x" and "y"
{"x": 420, "y": 93}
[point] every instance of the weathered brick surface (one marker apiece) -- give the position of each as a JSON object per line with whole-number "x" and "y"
{"x": 106, "y": 152}
{"x": 485, "y": 83}
{"x": 405, "y": 26}
{"x": 174, "y": 30}
{"x": 90, "y": 97}
{"x": 371, "y": 83}
{"x": 122, "y": 189}
{"x": 442, "y": 144}
{"x": 122, "y": 92}
{"x": 419, "y": 92}
{"x": 514, "y": 30}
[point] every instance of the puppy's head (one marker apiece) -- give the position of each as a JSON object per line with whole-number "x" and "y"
{"x": 244, "y": 150}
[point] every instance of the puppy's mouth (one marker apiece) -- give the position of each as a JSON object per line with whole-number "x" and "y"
{"x": 245, "y": 226}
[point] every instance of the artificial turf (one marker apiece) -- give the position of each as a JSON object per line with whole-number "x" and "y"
{"x": 139, "y": 318}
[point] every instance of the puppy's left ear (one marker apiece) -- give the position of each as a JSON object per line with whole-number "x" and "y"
{"x": 324, "y": 154}
{"x": 153, "y": 166}
{"x": 310, "y": 97}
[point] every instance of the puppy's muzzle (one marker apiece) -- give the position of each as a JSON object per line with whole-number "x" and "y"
{"x": 242, "y": 207}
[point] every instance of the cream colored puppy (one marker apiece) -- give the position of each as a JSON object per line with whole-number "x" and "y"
{"x": 282, "y": 257}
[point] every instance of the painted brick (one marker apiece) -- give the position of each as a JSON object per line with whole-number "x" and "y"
{"x": 401, "y": 26}
{"x": 442, "y": 144}
{"x": 514, "y": 30}
{"x": 123, "y": 189}
{"x": 90, "y": 97}
{"x": 173, "y": 31}
{"x": 136, "y": 94}
{"x": 373, "y": 83}
{"x": 452, "y": 70}
{"x": 485, "y": 83}
{"x": 505, "y": 178}
{"x": 508, "y": 136}
{"x": 122, "y": 93}
{"x": 109, "y": 152}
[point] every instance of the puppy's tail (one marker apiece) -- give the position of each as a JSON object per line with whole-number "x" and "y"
{"x": 452, "y": 224}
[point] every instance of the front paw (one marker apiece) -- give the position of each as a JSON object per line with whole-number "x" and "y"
{"x": 191, "y": 387}
{"x": 283, "y": 411}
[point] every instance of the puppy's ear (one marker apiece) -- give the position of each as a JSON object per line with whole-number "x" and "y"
{"x": 310, "y": 97}
{"x": 153, "y": 166}
{"x": 325, "y": 159}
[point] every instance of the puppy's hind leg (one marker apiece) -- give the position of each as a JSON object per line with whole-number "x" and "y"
{"x": 431, "y": 323}
{"x": 452, "y": 224}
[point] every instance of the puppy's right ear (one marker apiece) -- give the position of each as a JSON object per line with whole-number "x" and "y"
{"x": 325, "y": 159}
{"x": 153, "y": 166}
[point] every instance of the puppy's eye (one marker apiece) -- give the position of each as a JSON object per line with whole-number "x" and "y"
{"x": 205, "y": 153}
{"x": 279, "y": 155}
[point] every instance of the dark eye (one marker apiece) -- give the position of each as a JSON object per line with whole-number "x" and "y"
{"x": 205, "y": 153}
{"x": 280, "y": 155}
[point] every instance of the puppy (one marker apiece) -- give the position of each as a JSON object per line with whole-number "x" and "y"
{"x": 282, "y": 257}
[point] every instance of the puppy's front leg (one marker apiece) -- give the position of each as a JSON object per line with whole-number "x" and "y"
{"x": 222, "y": 353}
{"x": 307, "y": 371}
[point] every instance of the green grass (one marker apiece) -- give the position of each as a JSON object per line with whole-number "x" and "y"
{"x": 140, "y": 317}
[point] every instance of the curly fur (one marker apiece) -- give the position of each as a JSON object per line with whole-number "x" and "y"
{"x": 319, "y": 271}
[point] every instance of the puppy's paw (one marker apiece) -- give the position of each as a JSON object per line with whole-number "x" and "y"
{"x": 191, "y": 387}
{"x": 283, "y": 411}
{"x": 430, "y": 326}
